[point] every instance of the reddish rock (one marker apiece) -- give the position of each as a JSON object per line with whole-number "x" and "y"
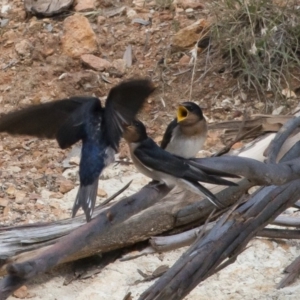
{"x": 101, "y": 193}
{"x": 65, "y": 186}
{"x": 189, "y": 35}
{"x": 184, "y": 60}
{"x": 85, "y": 5}
{"x": 21, "y": 293}
{"x": 79, "y": 37}
{"x": 94, "y": 62}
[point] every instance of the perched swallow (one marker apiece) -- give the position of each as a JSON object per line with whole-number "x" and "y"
{"x": 167, "y": 168}
{"x": 186, "y": 134}
{"x": 83, "y": 118}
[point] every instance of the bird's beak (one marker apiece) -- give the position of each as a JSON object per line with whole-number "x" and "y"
{"x": 182, "y": 113}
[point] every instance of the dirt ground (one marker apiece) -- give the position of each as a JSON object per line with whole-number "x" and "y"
{"x": 39, "y": 184}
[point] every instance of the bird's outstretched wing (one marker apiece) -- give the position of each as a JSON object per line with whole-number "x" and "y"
{"x": 122, "y": 104}
{"x": 42, "y": 120}
{"x": 74, "y": 127}
{"x": 155, "y": 158}
{"x": 168, "y": 134}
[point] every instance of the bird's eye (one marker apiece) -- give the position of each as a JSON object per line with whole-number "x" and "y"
{"x": 190, "y": 108}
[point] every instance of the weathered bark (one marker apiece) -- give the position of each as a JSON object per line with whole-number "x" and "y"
{"x": 279, "y": 233}
{"x": 154, "y": 220}
{"x": 292, "y": 271}
{"x": 225, "y": 241}
{"x": 186, "y": 238}
{"x": 285, "y": 131}
{"x": 81, "y": 238}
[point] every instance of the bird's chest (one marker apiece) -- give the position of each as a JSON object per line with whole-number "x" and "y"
{"x": 184, "y": 145}
{"x": 149, "y": 172}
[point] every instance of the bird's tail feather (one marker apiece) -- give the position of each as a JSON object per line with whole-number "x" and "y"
{"x": 197, "y": 174}
{"x": 197, "y": 188}
{"x": 217, "y": 180}
{"x": 209, "y": 170}
{"x": 86, "y": 198}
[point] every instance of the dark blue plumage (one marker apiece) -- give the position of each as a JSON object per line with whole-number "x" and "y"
{"x": 83, "y": 118}
{"x": 96, "y": 154}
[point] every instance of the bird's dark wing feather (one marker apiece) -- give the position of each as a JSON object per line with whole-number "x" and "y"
{"x": 168, "y": 134}
{"x": 155, "y": 158}
{"x": 73, "y": 129}
{"x": 206, "y": 192}
{"x": 122, "y": 104}
{"x": 197, "y": 163}
{"x": 41, "y": 120}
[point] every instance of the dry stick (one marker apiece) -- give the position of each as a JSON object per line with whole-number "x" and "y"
{"x": 225, "y": 240}
{"x": 79, "y": 238}
{"x": 116, "y": 194}
{"x": 279, "y": 233}
{"x": 257, "y": 172}
{"x": 285, "y": 131}
{"x": 287, "y": 221}
{"x": 171, "y": 242}
{"x": 186, "y": 238}
{"x": 292, "y": 153}
{"x": 292, "y": 271}
{"x": 238, "y": 138}
{"x": 260, "y": 172}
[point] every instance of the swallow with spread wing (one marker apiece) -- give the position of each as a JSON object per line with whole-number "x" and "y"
{"x": 83, "y": 118}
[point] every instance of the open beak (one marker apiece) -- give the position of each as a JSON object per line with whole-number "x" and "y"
{"x": 182, "y": 113}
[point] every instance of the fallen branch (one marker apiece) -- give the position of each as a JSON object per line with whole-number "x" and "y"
{"x": 279, "y": 233}
{"x": 186, "y": 238}
{"x": 79, "y": 239}
{"x": 251, "y": 127}
{"x": 285, "y": 131}
{"x": 225, "y": 241}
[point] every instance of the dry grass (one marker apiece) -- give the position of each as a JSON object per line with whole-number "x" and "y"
{"x": 257, "y": 42}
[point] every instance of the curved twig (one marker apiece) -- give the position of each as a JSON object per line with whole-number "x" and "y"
{"x": 256, "y": 171}
{"x": 285, "y": 131}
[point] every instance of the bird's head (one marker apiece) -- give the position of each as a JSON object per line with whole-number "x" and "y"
{"x": 189, "y": 113}
{"x": 135, "y": 132}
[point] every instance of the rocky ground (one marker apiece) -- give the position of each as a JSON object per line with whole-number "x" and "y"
{"x": 87, "y": 51}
